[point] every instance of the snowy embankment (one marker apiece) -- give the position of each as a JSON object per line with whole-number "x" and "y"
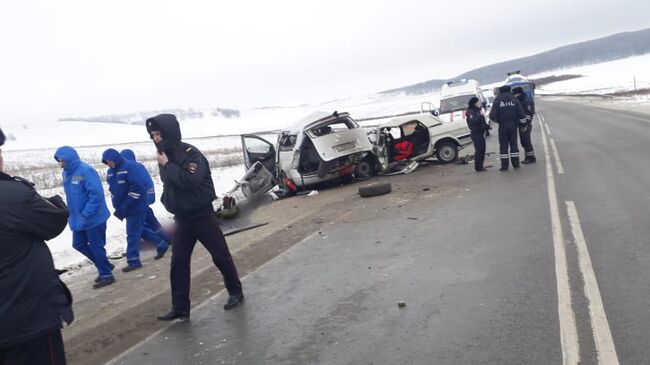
{"x": 608, "y": 78}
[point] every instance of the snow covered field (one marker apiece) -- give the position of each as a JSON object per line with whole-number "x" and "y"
{"x": 602, "y": 78}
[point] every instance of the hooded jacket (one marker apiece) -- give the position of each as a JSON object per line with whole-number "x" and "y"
{"x": 188, "y": 190}
{"x": 126, "y": 184}
{"x": 34, "y": 301}
{"x": 146, "y": 178}
{"x": 83, "y": 191}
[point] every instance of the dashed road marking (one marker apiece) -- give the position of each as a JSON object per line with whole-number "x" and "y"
{"x": 556, "y": 155}
{"x": 599, "y": 325}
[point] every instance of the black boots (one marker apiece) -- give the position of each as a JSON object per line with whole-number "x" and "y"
{"x": 233, "y": 301}
{"x": 172, "y": 315}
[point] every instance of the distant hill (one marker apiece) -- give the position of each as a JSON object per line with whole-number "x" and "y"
{"x": 614, "y": 47}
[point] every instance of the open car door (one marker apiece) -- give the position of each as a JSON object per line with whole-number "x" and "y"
{"x": 261, "y": 171}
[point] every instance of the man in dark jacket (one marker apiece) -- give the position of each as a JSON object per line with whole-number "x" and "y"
{"x": 524, "y": 131}
{"x": 188, "y": 193}
{"x": 34, "y": 301}
{"x": 88, "y": 212}
{"x": 507, "y": 112}
{"x": 477, "y": 126}
{"x": 151, "y": 223}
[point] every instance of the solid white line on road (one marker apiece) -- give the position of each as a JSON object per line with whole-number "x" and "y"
{"x": 568, "y": 330}
{"x": 548, "y": 130}
{"x": 558, "y": 162}
{"x": 599, "y": 325}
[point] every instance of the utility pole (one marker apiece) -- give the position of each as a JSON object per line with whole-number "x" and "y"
{"x": 634, "y": 83}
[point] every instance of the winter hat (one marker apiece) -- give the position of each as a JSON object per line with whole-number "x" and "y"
{"x": 472, "y": 101}
{"x": 518, "y": 90}
{"x": 2, "y": 138}
{"x": 504, "y": 89}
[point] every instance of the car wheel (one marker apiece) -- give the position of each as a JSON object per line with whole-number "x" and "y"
{"x": 375, "y": 189}
{"x": 446, "y": 152}
{"x": 365, "y": 169}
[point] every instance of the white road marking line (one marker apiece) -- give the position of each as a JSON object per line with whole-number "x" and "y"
{"x": 548, "y": 130}
{"x": 599, "y": 325}
{"x": 568, "y": 329}
{"x": 558, "y": 162}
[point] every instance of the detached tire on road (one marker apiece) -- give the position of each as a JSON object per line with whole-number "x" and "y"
{"x": 375, "y": 189}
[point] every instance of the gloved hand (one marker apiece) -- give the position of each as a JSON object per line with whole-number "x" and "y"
{"x": 118, "y": 216}
{"x": 523, "y": 129}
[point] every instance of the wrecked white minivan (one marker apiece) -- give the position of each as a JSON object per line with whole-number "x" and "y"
{"x": 399, "y": 144}
{"x": 318, "y": 148}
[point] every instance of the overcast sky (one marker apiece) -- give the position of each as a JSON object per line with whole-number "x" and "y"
{"x": 86, "y": 57}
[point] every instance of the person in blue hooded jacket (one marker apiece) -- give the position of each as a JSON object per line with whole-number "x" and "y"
{"x": 127, "y": 185}
{"x": 88, "y": 211}
{"x": 151, "y": 223}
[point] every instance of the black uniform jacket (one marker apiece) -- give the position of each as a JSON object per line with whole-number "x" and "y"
{"x": 475, "y": 121}
{"x": 507, "y": 111}
{"x": 188, "y": 190}
{"x": 33, "y": 301}
{"x": 528, "y": 106}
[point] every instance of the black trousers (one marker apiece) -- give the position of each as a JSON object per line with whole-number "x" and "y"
{"x": 44, "y": 350}
{"x": 207, "y": 231}
{"x": 479, "y": 150}
{"x": 508, "y": 145}
{"x": 527, "y": 142}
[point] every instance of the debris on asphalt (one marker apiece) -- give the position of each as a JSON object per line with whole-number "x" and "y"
{"x": 401, "y": 304}
{"x": 412, "y": 218}
{"x": 313, "y": 193}
{"x": 426, "y": 189}
{"x": 152, "y": 277}
{"x": 245, "y": 228}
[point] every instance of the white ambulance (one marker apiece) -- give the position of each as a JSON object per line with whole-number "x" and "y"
{"x": 454, "y": 97}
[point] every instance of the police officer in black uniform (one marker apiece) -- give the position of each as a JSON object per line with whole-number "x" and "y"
{"x": 524, "y": 131}
{"x": 478, "y": 128}
{"x": 188, "y": 193}
{"x": 34, "y": 303}
{"x": 508, "y": 113}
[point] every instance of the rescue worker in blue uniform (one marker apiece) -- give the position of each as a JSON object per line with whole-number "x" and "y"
{"x": 525, "y": 131}
{"x": 478, "y": 128}
{"x": 151, "y": 223}
{"x": 128, "y": 194}
{"x": 88, "y": 212}
{"x": 508, "y": 113}
{"x": 188, "y": 192}
{"x": 35, "y": 302}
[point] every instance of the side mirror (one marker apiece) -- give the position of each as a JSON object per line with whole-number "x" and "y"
{"x": 435, "y": 112}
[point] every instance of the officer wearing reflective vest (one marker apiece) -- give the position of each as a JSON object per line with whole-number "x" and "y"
{"x": 524, "y": 131}
{"x": 508, "y": 113}
{"x": 188, "y": 192}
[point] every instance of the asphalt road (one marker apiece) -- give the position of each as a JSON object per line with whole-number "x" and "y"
{"x": 543, "y": 265}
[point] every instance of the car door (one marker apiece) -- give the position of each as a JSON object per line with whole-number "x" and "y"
{"x": 261, "y": 171}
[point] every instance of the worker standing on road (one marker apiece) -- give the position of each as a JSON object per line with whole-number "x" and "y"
{"x": 128, "y": 194}
{"x": 188, "y": 192}
{"x": 524, "y": 131}
{"x": 508, "y": 113}
{"x": 151, "y": 223}
{"x": 34, "y": 301}
{"x": 477, "y": 126}
{"x": 88, "y": 211}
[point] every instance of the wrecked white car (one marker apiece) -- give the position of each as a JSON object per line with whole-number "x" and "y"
{"x": 401, "y": 143}
{"x": 319, "y": 148}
